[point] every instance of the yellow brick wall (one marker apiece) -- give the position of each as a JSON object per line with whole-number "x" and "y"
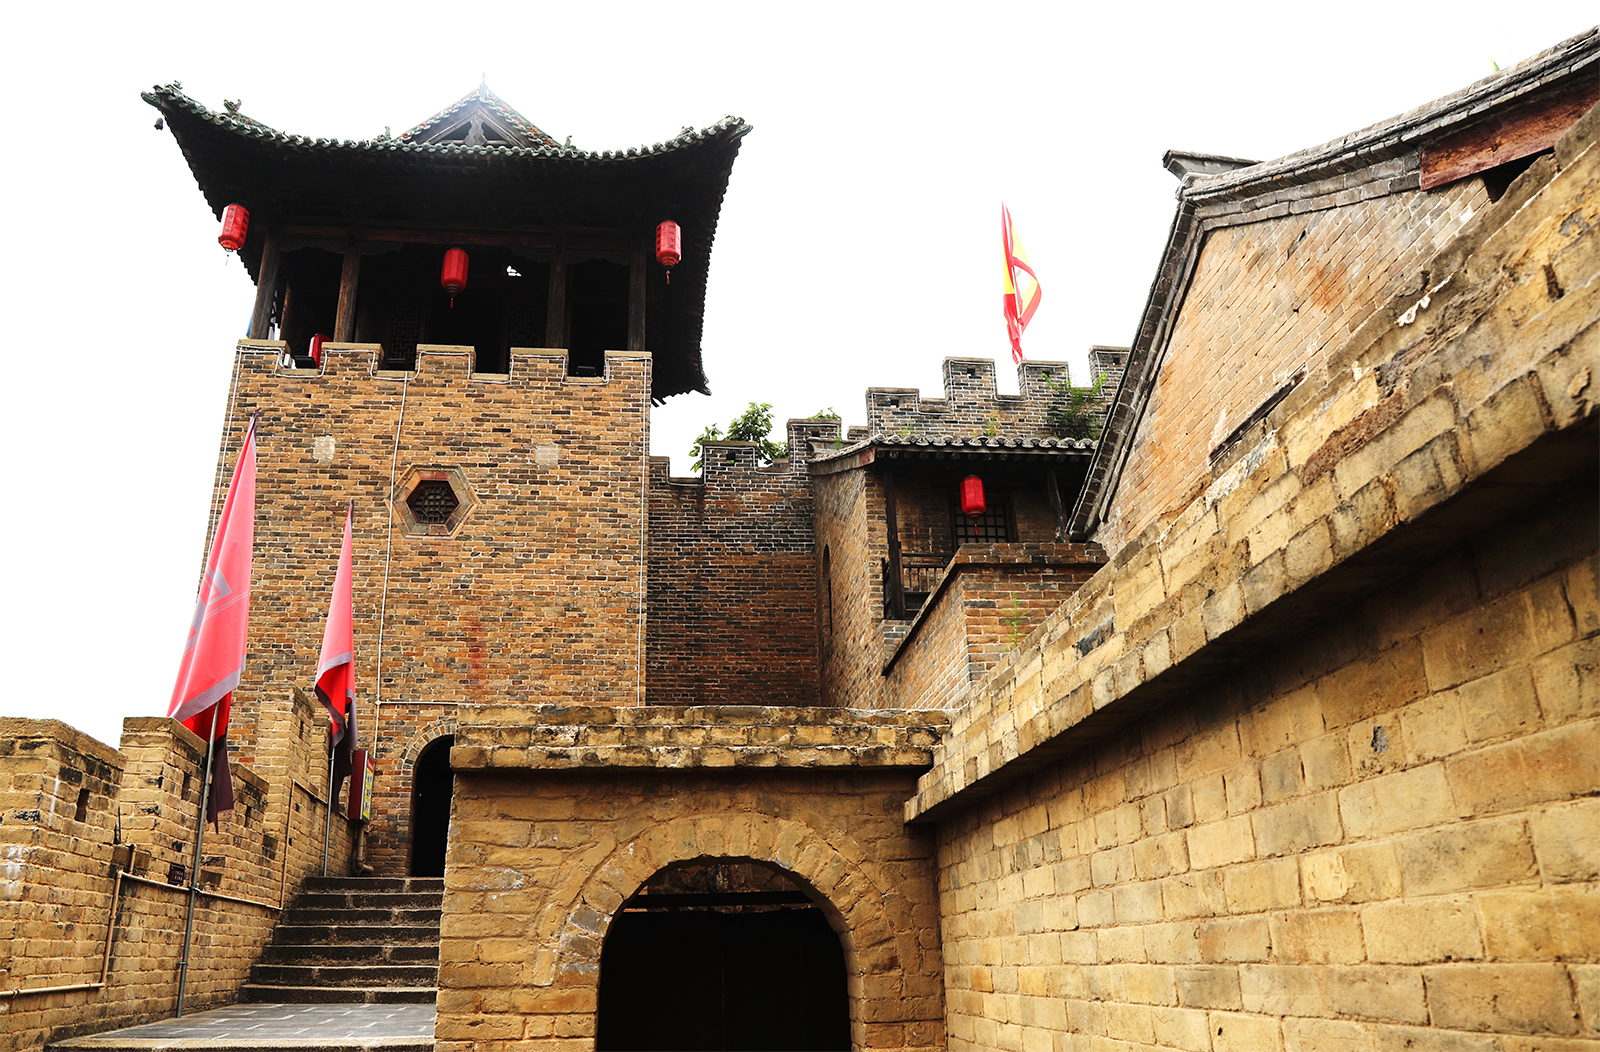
{"x": 540, "y": 861}
{"x": 1384, "y": 837}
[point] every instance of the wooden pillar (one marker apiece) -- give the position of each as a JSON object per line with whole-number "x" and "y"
{"x": 266, "y": 287}
{"x": 636, "y": 277}
{"x": 555, "y": 325}
{"x": 344, "y": 325}
{"x": 897, "y": 590}
{"x": 1053, "y": 488}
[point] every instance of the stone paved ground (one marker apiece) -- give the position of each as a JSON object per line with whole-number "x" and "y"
{"x": 266, "y": 1027}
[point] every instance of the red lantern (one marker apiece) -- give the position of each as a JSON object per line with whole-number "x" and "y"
{"x": 669, "y": 246}
{"x": 235, "y": 222}
{"x": 453, "y": 278}
{"x": 972, "y": 504}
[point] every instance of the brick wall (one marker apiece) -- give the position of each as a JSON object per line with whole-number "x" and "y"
{"x": 1382, "y": 837}
{"x": 972, "y": 407}
{"x": 987, "y": 604}
{"x": 850, "y": 530}
{"x": 558, "y": 823}
{"x": 65, "y": 900}
{"x": 546, "y": 570}
{"x": 733, "y": 583}
{"x": 1267, "y": 300}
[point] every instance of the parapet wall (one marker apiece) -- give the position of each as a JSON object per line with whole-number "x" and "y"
{"x": 98, "y": 844}
{"x": 733, "y": 582}
{"x": 973, "y": 407}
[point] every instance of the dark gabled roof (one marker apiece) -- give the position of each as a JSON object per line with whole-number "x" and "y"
{"x": 574, "y": 194}
{"x": 1374, "y": 162}
{"x": 866, "y": 450}
{"x": 478, "y": 107}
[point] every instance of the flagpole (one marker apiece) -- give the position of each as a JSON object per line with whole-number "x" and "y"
{"x": 327, "y": 830}
{"x": 194, "y": 872}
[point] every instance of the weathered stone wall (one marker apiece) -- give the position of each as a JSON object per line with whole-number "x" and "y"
{"x": 1314, "y": 766}
{"x": 139, "y": 807}
{"x": 544, "y": 569}
{"x": 733, "y": 583}
{"x": 1383, "y": 836}
{"x": 1269, "y": 299}
{"x": 556, "y": 824}
{"x": 987, "y": 603}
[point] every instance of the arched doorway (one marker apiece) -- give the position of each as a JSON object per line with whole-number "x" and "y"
{"x": 431, "y": 785}
{"x": 722, "y": 954}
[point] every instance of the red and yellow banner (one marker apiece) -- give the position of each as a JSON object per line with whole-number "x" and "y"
{"x": 1021, "y": 290}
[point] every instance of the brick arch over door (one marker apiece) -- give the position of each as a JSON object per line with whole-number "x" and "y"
{"x": 421, "y": 740}
{"x": 893, "y": 974}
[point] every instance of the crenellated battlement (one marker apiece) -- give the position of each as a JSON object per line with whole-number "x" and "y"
{"x": 528, "y": 365}
{"x": 972, "y": 405}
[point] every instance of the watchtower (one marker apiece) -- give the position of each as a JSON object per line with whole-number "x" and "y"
{"x": 495, "y": 441}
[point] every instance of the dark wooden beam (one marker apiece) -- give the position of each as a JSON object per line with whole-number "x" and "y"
{"x": 1053, "y": 488}
{"x": 555, "y": 326}
{"x": 597, "y": 239}
{"x": 266, "y": 287}
{"x": 636, "y": 276}
{"x": 1508, "y": 136}
{"x": 344, "y": 325}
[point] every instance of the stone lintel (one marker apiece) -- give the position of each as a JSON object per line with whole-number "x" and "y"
{"x": 675, "y": 736}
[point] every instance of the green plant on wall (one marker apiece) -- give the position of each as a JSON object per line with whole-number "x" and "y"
{"x": 1070, "y": 413}
{"x": 1014, "y": 622}
{"x": 753, "y": 425}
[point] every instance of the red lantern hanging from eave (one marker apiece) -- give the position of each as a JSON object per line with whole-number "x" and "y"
{"x": 453, "y": 277}
{"x": 669, "y": 246}
{"x": 972, "y": 504}
{"x": 235, "y": 223}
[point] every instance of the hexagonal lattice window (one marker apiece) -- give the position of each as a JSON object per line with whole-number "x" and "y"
{"x": 433, "y": 501}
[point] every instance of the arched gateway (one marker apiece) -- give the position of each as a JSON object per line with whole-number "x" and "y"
{"x": 553, "y": 849}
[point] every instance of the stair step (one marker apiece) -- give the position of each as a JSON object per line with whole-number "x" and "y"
{"x": 257, "y": 993}
{"x": 354, "y": 915}
{"x": 291, "y": 934}
{"x": 430, "y": 885}
{"x": 350, "y": 953}
{"x": 367, "y": 900}
{"x": 345, "y": 974}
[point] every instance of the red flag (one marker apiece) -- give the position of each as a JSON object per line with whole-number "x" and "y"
{"x": 1020, "y": 295}
{"x": 336, "y": 676}
{"x": 214, "y": 655}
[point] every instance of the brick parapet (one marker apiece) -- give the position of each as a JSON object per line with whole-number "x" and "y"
{"x": 675, "y": 736}
{"x": 140, "y": 806}
{"x": 972, "y": 407}
{"x": 1395, "y": 425}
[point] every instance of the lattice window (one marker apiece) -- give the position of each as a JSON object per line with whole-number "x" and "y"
{"x": 433, "y": 501}
{"x": 992, "y": 527}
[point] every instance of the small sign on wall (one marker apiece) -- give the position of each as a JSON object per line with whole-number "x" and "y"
{"x": 360, "y": 809}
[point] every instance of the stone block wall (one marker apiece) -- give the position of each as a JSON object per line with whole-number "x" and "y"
{"x": 75, "y": 815}
{"x": 852, "y": 538}
{"x": 733, "y": 583}
{"x": 543, "y": 566}
{"x": 544, "y": 853}
{"x": 1384, "y": 836}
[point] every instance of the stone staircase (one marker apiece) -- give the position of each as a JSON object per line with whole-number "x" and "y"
{"x": 354, "y": 940}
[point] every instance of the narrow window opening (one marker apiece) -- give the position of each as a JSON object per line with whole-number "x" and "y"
{"x": 82, "y": 814}
{"x": 827, "y": 577}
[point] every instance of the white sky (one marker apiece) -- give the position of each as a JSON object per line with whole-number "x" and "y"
{"x": 858, "y": 243}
